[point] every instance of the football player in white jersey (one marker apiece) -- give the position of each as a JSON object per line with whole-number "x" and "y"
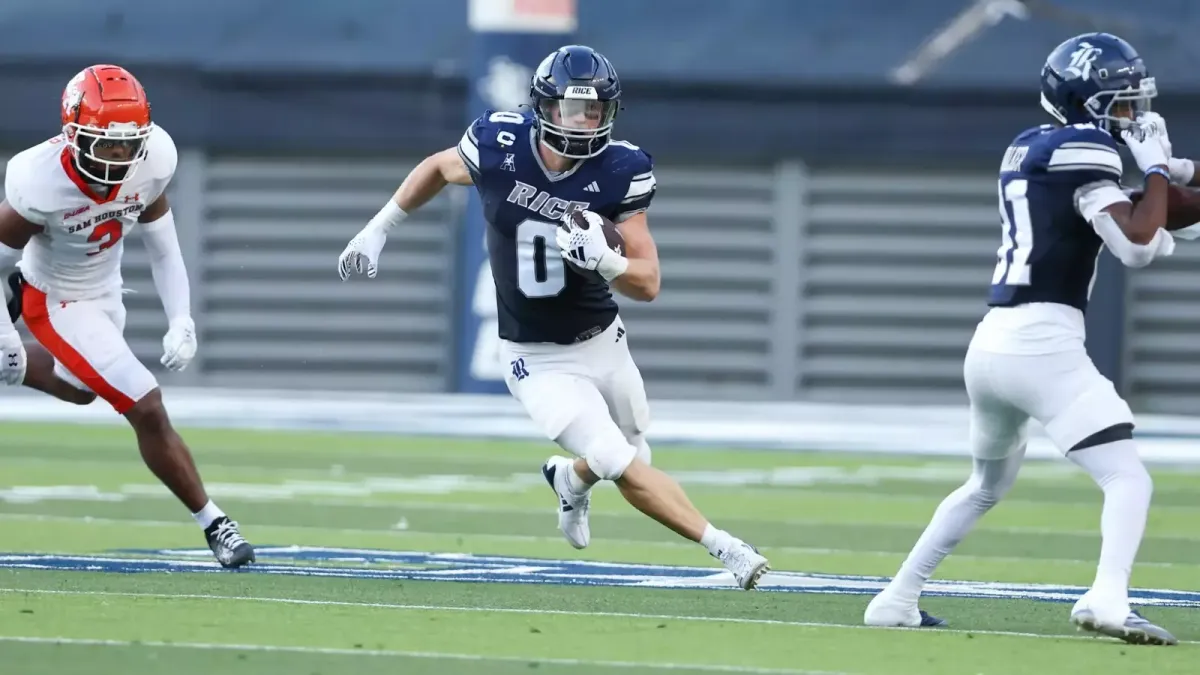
{"x": 69, "y": 202}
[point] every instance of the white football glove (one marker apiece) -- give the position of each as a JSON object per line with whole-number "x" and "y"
{"x": 588, "y": 248}
{"x": 364, "y": 247}
{"x": 12, "y": 359}
{"x": 1157, "y": 121}
{"x": 1146, "y": 140}
{"x": 1182, "y": 170}
{"x": 179, "y": 344}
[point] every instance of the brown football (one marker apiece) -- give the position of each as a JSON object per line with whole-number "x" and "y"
{"x": 611, "y": 235}
{"x": 1183, "y": 206}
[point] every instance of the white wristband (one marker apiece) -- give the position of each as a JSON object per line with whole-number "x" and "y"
{"x": 388, "y": 217}
{"x": 612, "y": 265}
{"x": 1182, "y": 170}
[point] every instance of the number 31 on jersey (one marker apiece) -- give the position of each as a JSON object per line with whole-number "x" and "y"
{"x": 1012, "y": 259}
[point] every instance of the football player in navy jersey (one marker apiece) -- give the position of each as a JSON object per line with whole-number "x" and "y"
{"x": 1060, "y": 201}
{"x": 571, "y": 367}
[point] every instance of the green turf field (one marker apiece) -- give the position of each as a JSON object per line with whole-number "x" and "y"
{"x": 83, "y": 492}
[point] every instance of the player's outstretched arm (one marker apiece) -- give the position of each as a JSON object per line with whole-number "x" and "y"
{"x": 422, "y": 184}
{"x": 642, "y": 279}
{"x": 171, "y": 281}
{"x": 429, "y": 177}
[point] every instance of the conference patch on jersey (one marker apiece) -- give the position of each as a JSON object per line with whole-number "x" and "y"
{"x": 417, "y": 566}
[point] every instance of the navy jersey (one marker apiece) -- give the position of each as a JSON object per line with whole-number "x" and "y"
{"x": 1048, "y": 250}
{"x": 537, "y": 298}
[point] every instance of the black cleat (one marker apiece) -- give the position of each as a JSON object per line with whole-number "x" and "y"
{"x": 227, "y": 544}
{"x": 930, "y": 621}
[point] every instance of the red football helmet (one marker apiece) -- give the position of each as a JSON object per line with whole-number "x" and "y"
{"x": 106, "y": 120}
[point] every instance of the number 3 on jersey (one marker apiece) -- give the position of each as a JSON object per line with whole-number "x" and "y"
{"x": 107, "y": 234}
{"x": 1012, "y": 264}
{"x": 540, "y": 272}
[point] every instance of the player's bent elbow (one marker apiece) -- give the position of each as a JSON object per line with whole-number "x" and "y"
{"x": 647, "y": 295}
{"x": 642, "y": 291}
{"x": 1142, "y": 239}
{"x": 1138, "y": 256}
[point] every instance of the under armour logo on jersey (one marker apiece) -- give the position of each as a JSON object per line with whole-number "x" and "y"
{"x": 1082, "y": 60}
{"x": 509, "y": 163}
{"x": 592, "y": 187}
{"x": 518, "y": 369}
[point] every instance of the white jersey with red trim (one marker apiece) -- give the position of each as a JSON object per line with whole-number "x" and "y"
{"x": 77, "y": 255}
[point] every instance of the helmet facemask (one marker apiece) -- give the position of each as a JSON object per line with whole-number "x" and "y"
{"x": 1117, "y": 110}
{"x": 108, "y": 156}
{"x": 578, "y": 125}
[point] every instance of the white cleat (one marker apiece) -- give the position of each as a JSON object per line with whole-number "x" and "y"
{"x": 745, "y": 563}
{"x": 572, "y": 508}
{"x": 888, "y": 610}
{"x": 1115, "y": 619}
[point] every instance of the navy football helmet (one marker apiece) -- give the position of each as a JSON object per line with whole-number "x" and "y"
{"x": 1099, "y": 78}
{"x": 576, "y": 96}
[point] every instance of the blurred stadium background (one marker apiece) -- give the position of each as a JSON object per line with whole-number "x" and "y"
{"x": 827, "y": 221}
{"x": 827, "y": 233}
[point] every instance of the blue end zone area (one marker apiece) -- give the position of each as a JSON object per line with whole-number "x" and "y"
{"x": 417, "y": 566}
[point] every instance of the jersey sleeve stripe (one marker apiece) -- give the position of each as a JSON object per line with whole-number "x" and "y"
{"x": 1072, "y": 159}
{"x": 1086, "y": 167}
{"x": 639, "y": 188}
{"x": 468, "y": 149}
{"x": 1088, "y": 146}
{"x": 643, "y": 176}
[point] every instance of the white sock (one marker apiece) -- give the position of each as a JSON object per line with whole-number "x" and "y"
{"x": 577, "y": 485}
{"x": 715, "y": 540}
{"x": 1119, "y": 471}
{"x": 954, "y": 518}
{"x": 208, "y": 514}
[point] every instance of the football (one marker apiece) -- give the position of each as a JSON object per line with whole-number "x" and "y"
{"x": 1183, "y": 206}
{"x": 611, "y": 235}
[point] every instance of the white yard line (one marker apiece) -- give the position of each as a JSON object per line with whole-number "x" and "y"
{"x": 205, "y": 646}
{"x": 514, "y": 610}
{"x": 797, "y": 550}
